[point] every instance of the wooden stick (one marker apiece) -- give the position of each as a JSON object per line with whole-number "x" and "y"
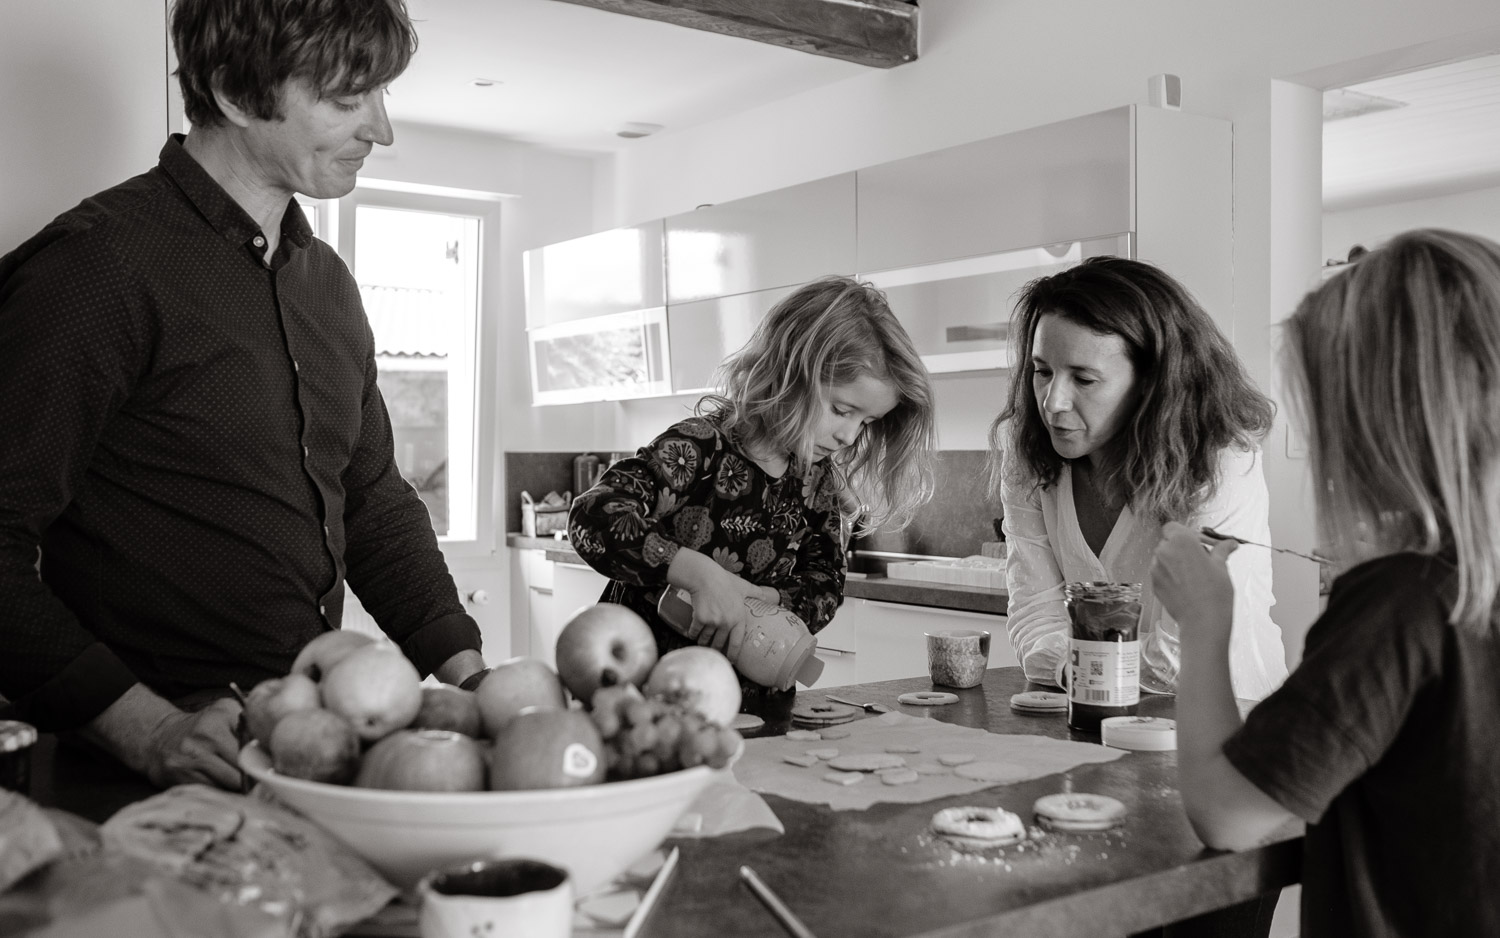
{"x": 774, "y": 905}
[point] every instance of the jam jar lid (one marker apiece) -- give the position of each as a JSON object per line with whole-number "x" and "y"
{"x": 16, "y": 735}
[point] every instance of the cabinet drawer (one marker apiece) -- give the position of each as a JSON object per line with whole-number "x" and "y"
{"x": 842, "y": 633}
{"x": 839, "y": 668}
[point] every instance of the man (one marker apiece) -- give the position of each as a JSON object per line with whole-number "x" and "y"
{"x": 194, "y": 443}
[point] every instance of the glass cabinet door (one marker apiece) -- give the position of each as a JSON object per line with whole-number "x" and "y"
{"x": 601, "y": 358}
{"x": 958, "y": 312}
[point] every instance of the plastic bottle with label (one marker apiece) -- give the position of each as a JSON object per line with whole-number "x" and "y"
{"x": 1104, "y": 668}
{"x": 778, "y": 650}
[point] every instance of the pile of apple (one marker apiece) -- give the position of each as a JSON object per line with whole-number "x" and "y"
{"x": 353, "y": 710}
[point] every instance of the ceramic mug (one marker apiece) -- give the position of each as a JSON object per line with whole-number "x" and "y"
{"x": 957, "y": 658}
{"x": 497, "y": 897}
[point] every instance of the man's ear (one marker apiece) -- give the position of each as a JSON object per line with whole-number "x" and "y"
{"x": 231, "y": 109}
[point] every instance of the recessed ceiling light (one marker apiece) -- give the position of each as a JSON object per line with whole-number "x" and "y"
{"x": 486, "y": 82}
{"x": 632, "y": 131}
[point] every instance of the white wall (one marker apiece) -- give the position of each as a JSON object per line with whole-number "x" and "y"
{"x": 83, "y": 103}
{"x": 1476, "y": 212}
{"x": 990, "y": 68}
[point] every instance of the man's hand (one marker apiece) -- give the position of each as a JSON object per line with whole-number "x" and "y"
{"x": 196, "y": 747}
{"x": 170, "y": 746}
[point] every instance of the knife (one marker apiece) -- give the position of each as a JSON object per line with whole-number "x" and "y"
{"x": 871, "y": 707}
{"x": 1284, "y": 550}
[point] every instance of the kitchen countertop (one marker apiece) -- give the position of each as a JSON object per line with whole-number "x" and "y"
{"x": 877, "y": 872}
{"x": 881, "y": 588}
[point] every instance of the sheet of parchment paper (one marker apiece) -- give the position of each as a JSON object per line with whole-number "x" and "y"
{"x": 1016, "y": 759}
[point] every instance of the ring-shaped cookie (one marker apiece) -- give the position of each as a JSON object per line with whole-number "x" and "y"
{"x": 1079, "y": 811}
{"x": 979, "y": 827}
{"x": 927, "y": 698}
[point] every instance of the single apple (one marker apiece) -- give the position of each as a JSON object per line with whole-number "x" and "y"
{"x": 375, "y": 688}
{"x": 512, "y": 686}
{"x": 603, "y": 645}
{"x": 423, "y": 760}
{"x": 315, "y": 744}
{"x": 274, "y": 698}
{"x": 700, "y": 679}
{"x": 547, "y": 749}
{"x": 446, "y": 707}
{"x": 319, "y": 656}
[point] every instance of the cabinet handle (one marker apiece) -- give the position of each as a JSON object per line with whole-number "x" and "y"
{"x": 477, "y": 598}
{"x": 830, "y": 652}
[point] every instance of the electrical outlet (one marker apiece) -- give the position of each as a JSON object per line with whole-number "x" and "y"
{"x": 1296, "y": 446}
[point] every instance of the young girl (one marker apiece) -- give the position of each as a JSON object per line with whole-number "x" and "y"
{"x": 826, "y": 406}
{"x": 1383, "y": 739}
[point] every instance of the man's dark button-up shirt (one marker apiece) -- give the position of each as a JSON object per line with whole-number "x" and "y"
{"x": 194, "y": 438}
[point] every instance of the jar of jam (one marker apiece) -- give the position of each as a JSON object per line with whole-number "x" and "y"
{"x": 1104, "y": 668}
{"x": 16, "y": 740}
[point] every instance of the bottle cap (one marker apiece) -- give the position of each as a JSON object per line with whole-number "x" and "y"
{"x": 811, "y": 669}
{"x": 1146, "y": 734}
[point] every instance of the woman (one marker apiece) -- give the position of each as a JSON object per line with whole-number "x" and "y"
{"x": 1128, "y": 409}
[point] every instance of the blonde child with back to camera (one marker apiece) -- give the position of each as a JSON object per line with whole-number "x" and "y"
{"x": 822, "y": 421}
{"x": 1383, "y": 738}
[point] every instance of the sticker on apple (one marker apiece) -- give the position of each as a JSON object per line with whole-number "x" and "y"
{"x": 579, "y": 761}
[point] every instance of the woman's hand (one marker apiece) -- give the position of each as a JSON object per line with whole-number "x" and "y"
{"x": 1190, "y": 576}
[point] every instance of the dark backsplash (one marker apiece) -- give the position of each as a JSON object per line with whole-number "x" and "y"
{"x": 953, "y": 524}
{"x": 956, "y": 521}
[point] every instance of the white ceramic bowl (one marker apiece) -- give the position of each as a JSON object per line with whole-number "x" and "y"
{"x": 594, "y": 831}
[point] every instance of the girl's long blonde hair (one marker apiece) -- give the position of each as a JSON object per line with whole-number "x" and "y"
{"x": 1395, "y": 365}
{"x": 773, "y": 390}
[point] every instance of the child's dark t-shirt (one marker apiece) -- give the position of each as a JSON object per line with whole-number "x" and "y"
{"x": 1386, "y": 740}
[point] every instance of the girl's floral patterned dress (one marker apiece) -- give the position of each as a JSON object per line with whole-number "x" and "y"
{"x": 694, "y": 487}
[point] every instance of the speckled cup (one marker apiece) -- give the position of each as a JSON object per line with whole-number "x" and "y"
{"x": 957, "y": 658}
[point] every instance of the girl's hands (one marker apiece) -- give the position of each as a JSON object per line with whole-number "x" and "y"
{"x": 1190, "y": 576}
{"x": 719, "y": 616}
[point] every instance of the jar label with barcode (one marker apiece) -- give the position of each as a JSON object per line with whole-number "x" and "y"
{"x": 1105, "y": 674}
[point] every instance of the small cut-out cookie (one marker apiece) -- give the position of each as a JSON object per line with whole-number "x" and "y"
{"x": 903, "y": 750}
{"x": 831, "y": 734}
{"x": 844, "y": 778}
{"x": 1039, "y": 701}
{"x": 824, "y": 754}
{"x": 804, "y": 759}
{"x": 930, "y": 768}
{"x": 956, "y": 758}
{"x": 866, "y": 761}
{"x": 804, "y": 735}
{"x": 901, "y": 776}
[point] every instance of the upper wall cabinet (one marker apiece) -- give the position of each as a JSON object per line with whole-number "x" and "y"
{"x": 1056, "y": 183}
{"x": 776, "y": 239}
{"x": 615, "y": 271}
{"x": 1161, "y": 177}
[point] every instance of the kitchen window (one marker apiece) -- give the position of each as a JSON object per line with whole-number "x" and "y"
{"x": 420, "y": 262}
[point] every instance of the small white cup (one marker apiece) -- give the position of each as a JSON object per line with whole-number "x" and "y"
{"x": 512, "y": 896}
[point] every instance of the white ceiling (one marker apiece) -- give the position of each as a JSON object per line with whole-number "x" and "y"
{"x": 569, "y": 77}
{"x": 1445, "y": 139}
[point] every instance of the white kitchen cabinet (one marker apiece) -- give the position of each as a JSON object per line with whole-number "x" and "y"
{"x": 775, "y": 239}
{"x": 1164, "y": 178}
{"x": 705, "y": 332}
{"x": 616, "y": 271}
{"x": 872, "y": 640}
{"x": 893, "y": 641}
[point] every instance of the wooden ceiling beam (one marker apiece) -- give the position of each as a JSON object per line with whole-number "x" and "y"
{"x": 879, "y": 33}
